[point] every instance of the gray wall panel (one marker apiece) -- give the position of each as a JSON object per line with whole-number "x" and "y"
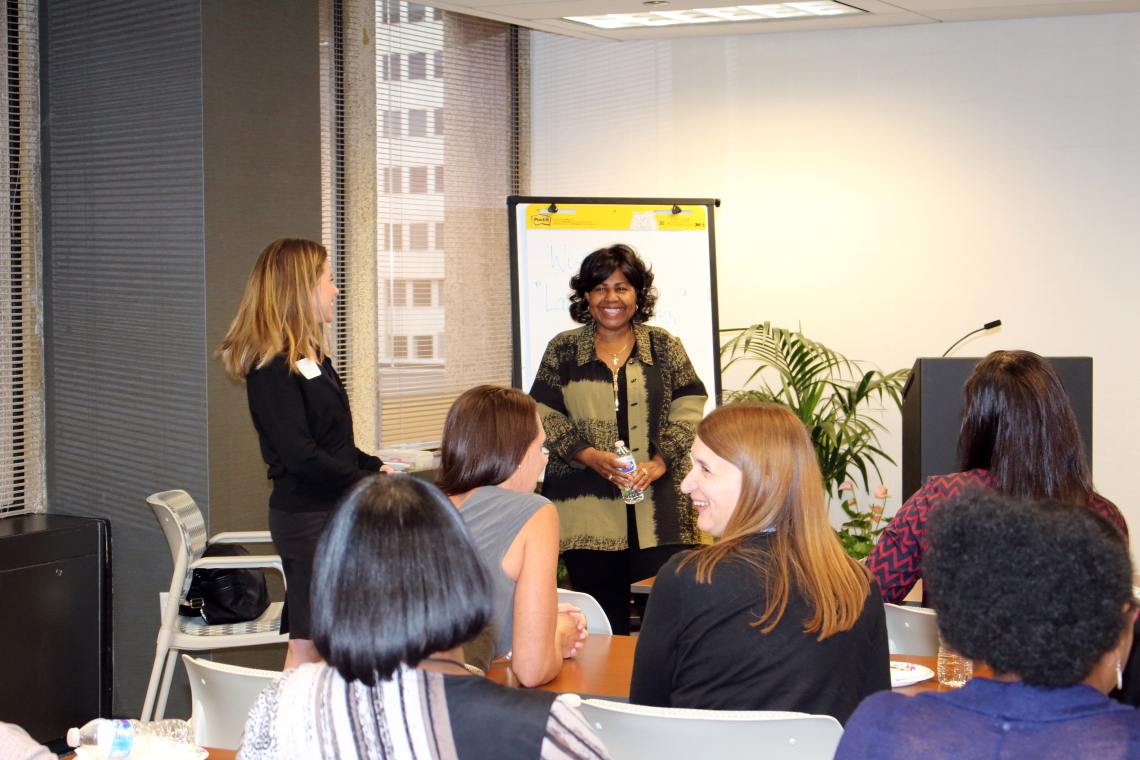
{"x": 124, "y": 287}
{"x": 261, "y": 94}
{"x": 180, "y": 137}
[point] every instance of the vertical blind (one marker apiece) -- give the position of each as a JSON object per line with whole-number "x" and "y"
{"x": 447, "y": 157}
{"x": 21, "y": 358}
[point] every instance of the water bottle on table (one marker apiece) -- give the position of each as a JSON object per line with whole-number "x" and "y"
{"x": 628, "y": 465}
{"x": 102, "y": 738}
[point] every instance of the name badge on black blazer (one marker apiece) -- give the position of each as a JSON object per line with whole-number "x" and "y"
{"x": 308, "y": 368}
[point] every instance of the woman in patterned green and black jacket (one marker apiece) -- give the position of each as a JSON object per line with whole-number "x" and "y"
{"x": 616, "y": 378}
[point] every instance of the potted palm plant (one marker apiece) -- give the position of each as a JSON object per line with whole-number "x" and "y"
{"x": 834, "y": 396}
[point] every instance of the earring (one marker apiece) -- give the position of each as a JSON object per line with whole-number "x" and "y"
{"x": 1119, "y": 676}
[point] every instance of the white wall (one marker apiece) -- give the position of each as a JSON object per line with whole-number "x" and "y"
{"x": 889, "y": 189}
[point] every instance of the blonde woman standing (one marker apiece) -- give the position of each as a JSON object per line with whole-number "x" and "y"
{"x": 300, "y": 410}
{"x": 774, "y": 616}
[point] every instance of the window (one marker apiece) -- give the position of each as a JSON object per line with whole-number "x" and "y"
{"x": 21, "y": 358}
{"x": 399, "y": 346}
{"x": 417, "y": 183}
{"x": 392, "y": 179}
{"x": 397, "y": 242}
{"x": 390, "y": 124}
{"x": 417, "y": 66}
{"x": 417, "y": 123}
{"x": 417, "y": 238}
{"x": 466, "y": 66}
{"x": 388, "y": 11}
{"x": 399, "y": 293}
{"x": 390, "y": 67}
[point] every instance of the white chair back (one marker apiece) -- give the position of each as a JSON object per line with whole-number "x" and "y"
{"x": 183, "y": 526}
{"x": 912, "y": 630}
{"x": 222, "y": 697}
{"x": 636, "y": 732}
{"x": 185, "y": 533}
{"x": 596, "y": 620}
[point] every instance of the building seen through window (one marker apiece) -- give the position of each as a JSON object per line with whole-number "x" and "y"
{"x": 445, "y": 109}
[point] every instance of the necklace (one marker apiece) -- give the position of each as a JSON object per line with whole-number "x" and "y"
{"x": 615, "y": 369}
{"x": 443, "y": 661}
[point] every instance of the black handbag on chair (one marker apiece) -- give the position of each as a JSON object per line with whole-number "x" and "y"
{"x": 221, "y": 596}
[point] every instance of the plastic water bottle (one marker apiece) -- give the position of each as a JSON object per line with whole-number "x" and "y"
{"x": 102, "y": 738}
{"x": 631, "y": 495}
{"x": 953, "y": 668}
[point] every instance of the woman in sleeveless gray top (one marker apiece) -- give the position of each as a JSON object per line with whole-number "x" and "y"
{"x": 495, "y": 515}
{"x": 490, "y": 459}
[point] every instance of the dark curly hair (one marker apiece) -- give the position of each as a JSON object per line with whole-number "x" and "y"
{"x": 597, "y": 268}
{"x": 1032, "y": 588}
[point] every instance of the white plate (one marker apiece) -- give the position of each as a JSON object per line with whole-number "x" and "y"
{"x": 181, "y": 753}
{"x": 906, "y": 673}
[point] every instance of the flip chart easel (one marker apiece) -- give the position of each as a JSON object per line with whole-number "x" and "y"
{"x": 550, "y": 237}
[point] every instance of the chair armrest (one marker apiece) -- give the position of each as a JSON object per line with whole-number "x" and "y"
{"x": 253, "y": 560}
{"x": 241, "y": 537}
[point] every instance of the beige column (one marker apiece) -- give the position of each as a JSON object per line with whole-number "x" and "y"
{"x": 360, "y": 216}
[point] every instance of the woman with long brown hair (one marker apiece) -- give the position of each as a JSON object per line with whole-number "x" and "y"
{"x": 491, "y": 456}
{"x": 300, "y": 410}
{"x": 1019, "y": 438}
{"x": 774, "y": 616}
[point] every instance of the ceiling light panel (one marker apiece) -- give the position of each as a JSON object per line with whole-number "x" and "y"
{"x": 768, "y": 12}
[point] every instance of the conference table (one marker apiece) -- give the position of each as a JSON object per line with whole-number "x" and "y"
{"x": 605, "y": 664}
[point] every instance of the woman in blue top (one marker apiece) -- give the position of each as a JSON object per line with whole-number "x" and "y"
{"x": 1042, "y": 593}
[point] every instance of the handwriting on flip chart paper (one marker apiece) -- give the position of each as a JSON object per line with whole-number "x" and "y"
{"x": 565, "y": 262}
{"x": 549, "y": 258}
{"x": 556, "y": 304}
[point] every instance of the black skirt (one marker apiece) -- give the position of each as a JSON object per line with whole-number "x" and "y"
{"x": 295, "y": 534}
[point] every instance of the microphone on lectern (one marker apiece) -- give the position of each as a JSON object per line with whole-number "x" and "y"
{"x": 986, "y": 326}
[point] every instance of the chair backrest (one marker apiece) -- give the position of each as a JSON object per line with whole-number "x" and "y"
{"x": 633, "y": 732}
{"x": 222, "y": 697}
{"x": 182, "y": 524}
{"x": 596, "y": 620}
{"x": 912, "y": 630}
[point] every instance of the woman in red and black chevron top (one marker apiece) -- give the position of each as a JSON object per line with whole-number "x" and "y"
{"x": 1019, "y": 437}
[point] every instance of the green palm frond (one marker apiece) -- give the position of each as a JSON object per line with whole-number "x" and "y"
{"x": 830, "y": 393}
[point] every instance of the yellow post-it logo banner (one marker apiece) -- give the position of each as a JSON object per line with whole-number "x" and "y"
{"x": 596, "y": 217}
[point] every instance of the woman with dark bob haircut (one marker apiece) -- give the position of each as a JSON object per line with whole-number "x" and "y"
{"x": 617, "y": 379}
{"x": 1042, "y": 593}
{"x": 1019, "y": 438}
{"x": 399, "y": 589}
{"x": 490, "y": 459}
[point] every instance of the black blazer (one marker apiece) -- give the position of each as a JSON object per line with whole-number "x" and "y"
{"x": 697, "y": 647}
{"x": 305, "y": 430}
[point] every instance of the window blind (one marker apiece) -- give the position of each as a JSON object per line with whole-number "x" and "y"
{"x": 447, "y": 157}
{"x": 21, "y": 357}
